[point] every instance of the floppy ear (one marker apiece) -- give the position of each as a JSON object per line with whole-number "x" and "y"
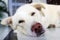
{"x": 38, "y": 7}
{"x": 7, "y": 21}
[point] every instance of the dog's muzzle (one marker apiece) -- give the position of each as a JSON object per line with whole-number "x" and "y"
{"x": 37, "y": 29}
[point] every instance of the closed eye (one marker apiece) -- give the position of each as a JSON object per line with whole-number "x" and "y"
{"x": 21, "y": 21}
{"x": 33, "y": 13}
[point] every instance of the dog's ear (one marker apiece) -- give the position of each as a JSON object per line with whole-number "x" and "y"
{"x": 7, "y": 21}
{"x": 38, "y": 7}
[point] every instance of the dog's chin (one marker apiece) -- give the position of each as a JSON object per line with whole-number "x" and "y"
{"x": 32, "y": 35}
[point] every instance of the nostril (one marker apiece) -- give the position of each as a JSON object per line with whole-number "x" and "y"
{"x": 38, "y": 26}
{"x": 37, "y": 30}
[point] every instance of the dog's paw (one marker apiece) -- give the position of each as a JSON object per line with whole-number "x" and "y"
{"x": 51, "y": 26}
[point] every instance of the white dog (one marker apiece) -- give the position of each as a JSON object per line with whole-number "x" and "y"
{"x": 31, "y": 20}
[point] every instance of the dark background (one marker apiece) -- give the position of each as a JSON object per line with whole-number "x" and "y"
{"x": 55, "y": 2}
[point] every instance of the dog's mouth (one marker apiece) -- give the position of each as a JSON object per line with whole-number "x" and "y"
{"x": 37, "y": 28}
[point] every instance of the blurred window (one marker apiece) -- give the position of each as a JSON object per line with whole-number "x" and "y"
{"x": 14, "y": 4}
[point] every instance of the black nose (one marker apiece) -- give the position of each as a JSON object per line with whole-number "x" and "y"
{"x": 37, "y": 28}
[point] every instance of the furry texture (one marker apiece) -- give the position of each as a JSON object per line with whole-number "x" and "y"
{"x": 44, "y": 14}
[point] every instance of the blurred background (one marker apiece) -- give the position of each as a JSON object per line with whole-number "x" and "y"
{"x": 12, "y": 5}
{"x": 8, "y": 8}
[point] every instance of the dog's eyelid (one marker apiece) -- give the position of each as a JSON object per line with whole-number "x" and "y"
{"x": 21, "y": 21}
{"x": 32, "y": 14}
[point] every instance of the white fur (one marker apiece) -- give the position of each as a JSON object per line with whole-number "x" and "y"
{"x": 51, "y": 12}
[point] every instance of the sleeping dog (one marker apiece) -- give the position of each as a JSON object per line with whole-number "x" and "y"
{"x": 31, "y": 20}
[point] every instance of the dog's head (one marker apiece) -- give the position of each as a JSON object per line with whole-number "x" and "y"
{"x": 28, "y": 19}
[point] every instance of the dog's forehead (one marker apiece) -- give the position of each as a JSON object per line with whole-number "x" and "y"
{"x": 25, "y": 9}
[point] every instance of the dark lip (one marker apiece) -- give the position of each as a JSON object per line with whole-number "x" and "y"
{"x": 39, "y": 34}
